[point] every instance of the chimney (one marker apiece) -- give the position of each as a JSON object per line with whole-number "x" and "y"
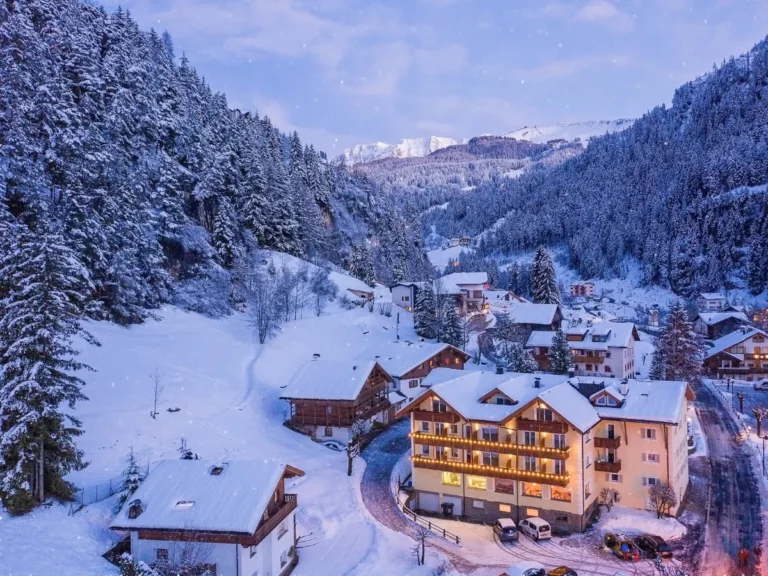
{"x": 315, "y": 356}
{"x": 624, "y": 388}
{"x": 135, "y": 509}
{"x": 354, "y": 367}
{"x": 499, "y": 368}
{"x": 537, "y": 382}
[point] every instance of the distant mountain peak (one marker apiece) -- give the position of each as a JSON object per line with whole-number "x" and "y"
{"x": 406, "y": 148}
{"x": 569, "y": 131}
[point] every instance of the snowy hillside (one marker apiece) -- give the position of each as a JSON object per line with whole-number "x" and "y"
{"x": 406, "y": 148}
{"x": 571, "y": 131}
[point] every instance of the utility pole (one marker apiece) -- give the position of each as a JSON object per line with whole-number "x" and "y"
{"x": 740, "y": 396}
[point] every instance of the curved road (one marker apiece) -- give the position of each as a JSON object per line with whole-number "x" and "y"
{"x": 734, "y": 502}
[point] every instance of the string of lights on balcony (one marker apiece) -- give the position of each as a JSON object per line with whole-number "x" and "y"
{"x": 488, "y": 443}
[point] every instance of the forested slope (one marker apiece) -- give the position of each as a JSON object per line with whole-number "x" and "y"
{"x": 118, "y": 146}
{"x": 682, "y": 190}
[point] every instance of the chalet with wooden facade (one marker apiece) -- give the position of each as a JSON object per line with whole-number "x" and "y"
{"x": 408, "y": 363}
{"x": 466, "y": 288}
{"x": 530, "y": 317}
{"x": 232, "y": 518}
{"x": 714, "y": 325}
{"x": 742, "y": 354}
{"x": 605, "y": 349}
{"x": 327, "y": 398}
{"x": 516, "y": 445}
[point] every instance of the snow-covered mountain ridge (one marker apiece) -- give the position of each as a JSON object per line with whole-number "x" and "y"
{"x": 406, "y": 148}
{"x": 420, "y": 147}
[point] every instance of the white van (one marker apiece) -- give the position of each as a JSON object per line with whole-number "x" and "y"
{"x": 536, "y": 528}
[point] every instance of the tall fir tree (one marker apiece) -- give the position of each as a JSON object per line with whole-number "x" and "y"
{"x": 424, "y": 316}
{"x": 679, "y": 349}
{"x": 520, "y": 360}
{"x": 361, "y": 263}
{"x": 544, "y": 279}
{"x": 132, "y": 478}
{"x": 559, "y": 354}
{"x": 450, "y": 331}
{"x": 225, "y": 233}
{"x": 41, "y": 313}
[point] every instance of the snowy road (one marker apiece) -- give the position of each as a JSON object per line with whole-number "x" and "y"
{"x": 734, "y": 519}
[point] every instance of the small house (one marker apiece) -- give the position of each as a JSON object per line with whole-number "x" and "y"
{"x": 230, "y": 518}
{"x": 742, "y": 354}
{"x": 586, "y": 289}
{"x": 710, "y": 301}
{"x": 713, "y": 325}
{"x": 327, "y": 398}
{"x": 466, "y": 287}
{"x": 404, "y": 294}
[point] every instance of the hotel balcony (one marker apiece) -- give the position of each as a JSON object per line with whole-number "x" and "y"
{"x": 507, "y": 447}
{"x": 429, "y": 416}
{"x": 579, "y": 358}
{"x": 608, "y": 442}
{"x": 525, "y": 424}
{"x": 613, "y": 467}
{"x": 490, "y": 471}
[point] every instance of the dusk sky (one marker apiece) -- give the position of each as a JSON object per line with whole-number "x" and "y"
{"x": 344, "y": 72}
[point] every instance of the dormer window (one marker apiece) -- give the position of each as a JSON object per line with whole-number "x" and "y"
{"x": 606, "y": 400}
{"x": 135, "y": 509}
{"x": 217, "y": 470}
{"x": 184, "y": 504}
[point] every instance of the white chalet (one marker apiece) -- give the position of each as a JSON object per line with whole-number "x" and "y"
{"x": 404, "y": 294}
{"x": 742, "y": 354}
{"x": 466, "y": 287}
{"x": 710, "y": 301}
{"x": 232, "y": 518}
{"x": 605, "y": 349}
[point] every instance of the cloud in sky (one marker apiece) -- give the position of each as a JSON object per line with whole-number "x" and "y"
{"x": 347, "y": 71}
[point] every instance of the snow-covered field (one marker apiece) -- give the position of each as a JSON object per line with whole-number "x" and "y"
{"x": 440, "y": 258}
{"x": 227, "y": 388}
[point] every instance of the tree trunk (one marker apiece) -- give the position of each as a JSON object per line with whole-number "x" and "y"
{"x": 759, "y": 424}
{"x": 41, "y": 474}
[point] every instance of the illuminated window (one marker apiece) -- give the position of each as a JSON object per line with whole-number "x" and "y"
{"x": 532, "y": 490}
{"x": 478, "y": 482}
{"x": 505, "y": 508}
{"x": 451, "y": 479}
{"x": 562, "y": 494}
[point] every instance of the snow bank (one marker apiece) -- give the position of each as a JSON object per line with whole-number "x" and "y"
{"x": 440, "y": 258}
{"x": 631, "y": 521}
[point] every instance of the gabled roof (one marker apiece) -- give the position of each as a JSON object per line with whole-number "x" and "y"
{"x": 711, "y": 296}
{"x": 735, "y": 337}
{"x": 540, "y": 338}
{"x": 571, "y": 405}
{"x": 530, "y": 313}
{"x": 184, "y": 495}
{"x": 712, "y": 318}
{"x": 451, "y": 283}
{"x": 326, "y": 380}
{"x": 399, "y": 358}
{"x": 617, "y": 335}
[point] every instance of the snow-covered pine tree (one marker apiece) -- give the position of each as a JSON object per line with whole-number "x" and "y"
{"x": 41, "y": 313}
{"x": 559, "y": 354}
{"x": 679, "y": 349}
{"x": 361, "y": 263}
{"x": 450, "y": 331}
{"x": 424, "y": 317}
{"x": 225, "y": 233}
{"x": 520, "y": 360}
{"x": 132, "y": 478}
{"x": 505, "y": 333}
{"x": 544, "y": 279}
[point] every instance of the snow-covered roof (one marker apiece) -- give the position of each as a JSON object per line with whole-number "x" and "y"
{"x": 499, "y": 294}
{"x": 712, "y": 318}
{"x": 530, "y": 313}
{"x": 541, "y": 338}
{"x": 735, "y": 337}
{"x": 616, "y": 335}
{"x": 452, "y": 283}
{"x": 327, "y": 380}
{"x": 184, "y": 495}
{"x": 711, "y": 296}
{"x": 399, "y": 358}
{"x": 646, "y": 401}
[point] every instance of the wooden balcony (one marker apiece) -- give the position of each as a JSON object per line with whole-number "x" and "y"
{"x": 525, "y": 424}
{"x": 613, "y": 467}
{"x": 289, "y": 505}
{"x": 429, "y": 416}
{"x": 491, "y": 471}
{"x": 608, "y": 442}
{"x": 366, "y": 412}
{"x": 578, "y": 358}
{"x": 489, "y": 446}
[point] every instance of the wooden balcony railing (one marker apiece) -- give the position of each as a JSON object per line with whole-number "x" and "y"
{"x": 613, "y": 467}
{"x": 608, "y": 442}
{"x": 366, "y": 412}
{"x": 526, "y": 424}
{"x": 491, "y": 471}
{"x": 429, "y": 416}
{"x": 289, "y": 505}
{"x": 580, "y": 358}
{"x": 489, "y": 446}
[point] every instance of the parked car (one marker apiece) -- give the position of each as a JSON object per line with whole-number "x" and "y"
{"x": 536, "y": 528}
{"x": 653, "y": 546}
{"x": 762, "y": 385}
{"x": 526, "y": 568}
{"x": 562, "y": 571}
{"x": 622, "y": 547}
{"x": 506, "y": 530}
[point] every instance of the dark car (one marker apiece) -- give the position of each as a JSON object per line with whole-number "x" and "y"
{"x": 562, "y": 571}
{"x": 653, "y": 546}
{"x": 506, "y": 530}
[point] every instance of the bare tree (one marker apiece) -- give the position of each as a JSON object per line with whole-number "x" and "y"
{"x": 187, "y": 557}
{"x": 608, "y": 497}
{"x": 262, "y": 298}
{"x": 421, "y": 536}
{"x": 385, "y": 309}
{"x": 157, "y": 389}
{"x": 360, "y": 428}
{"x": 760, "y": 413}
{"x": 662, "y": 497}
{"x": 465, "y": 325}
